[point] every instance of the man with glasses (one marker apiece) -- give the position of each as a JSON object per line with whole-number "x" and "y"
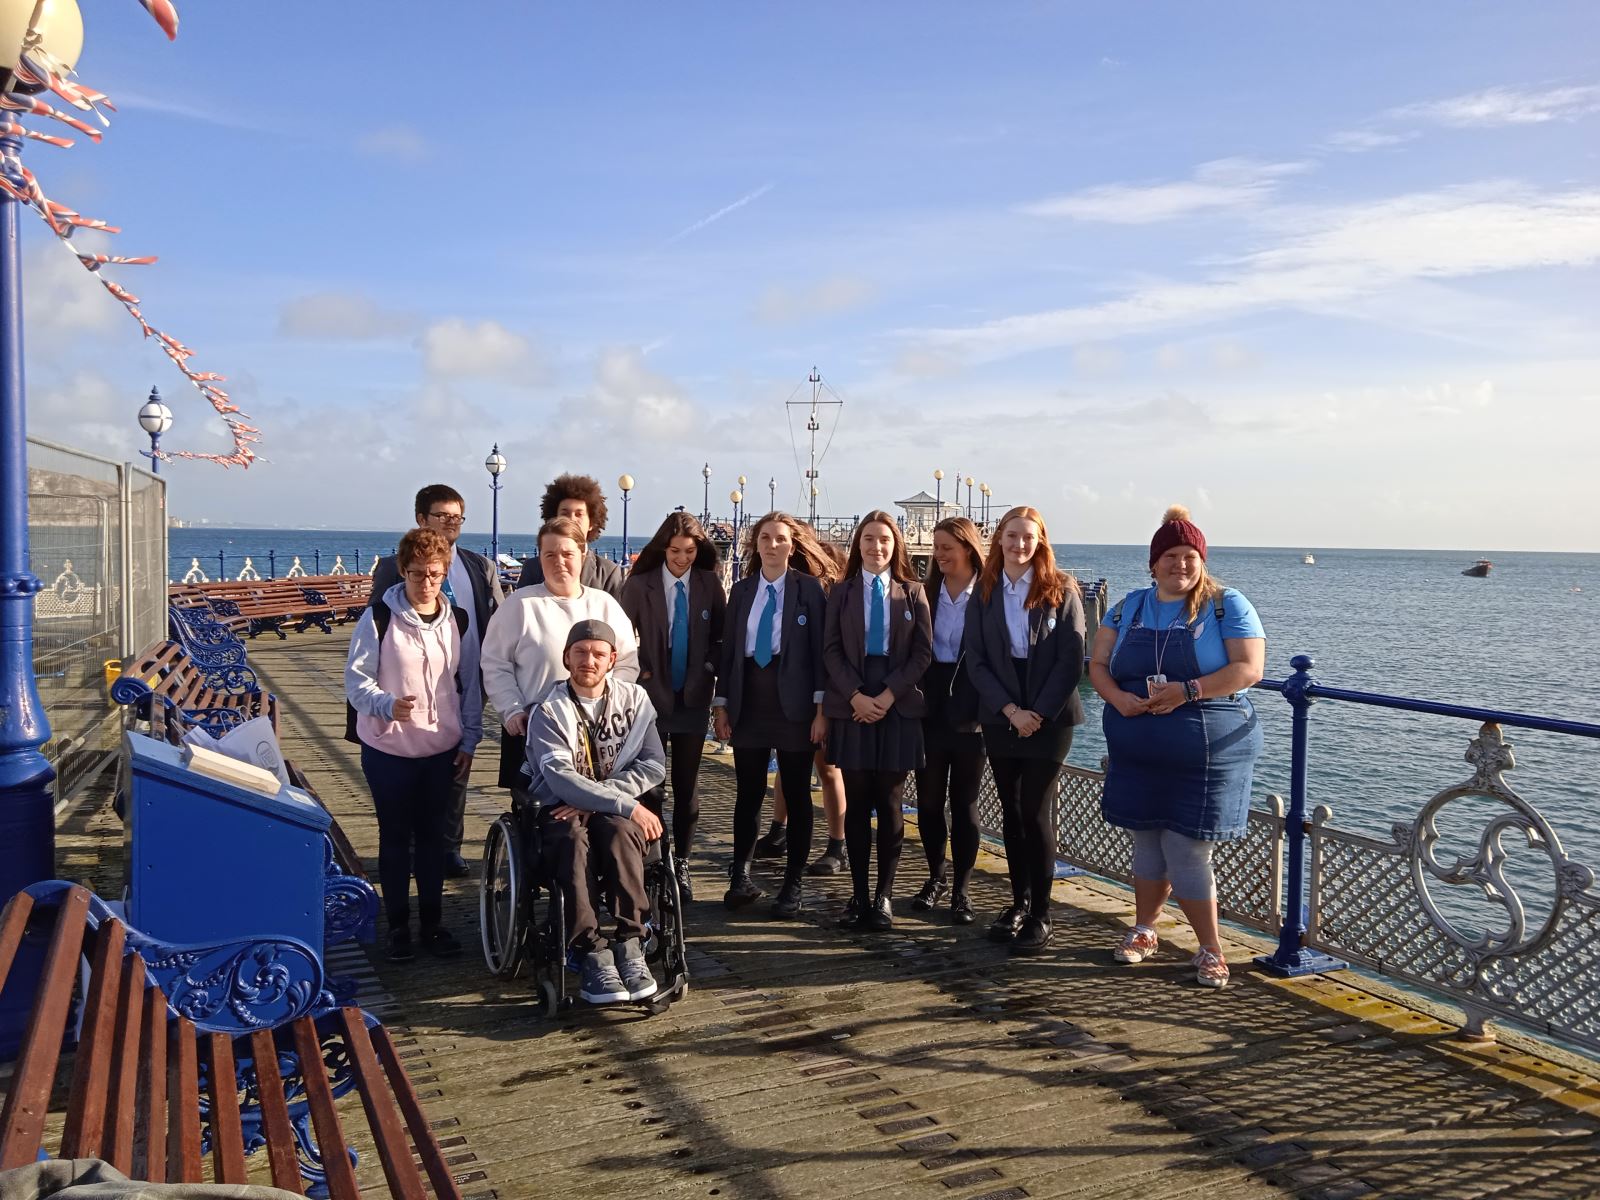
{"x": 471, "y": 584}
{"x": 578, "y": 498}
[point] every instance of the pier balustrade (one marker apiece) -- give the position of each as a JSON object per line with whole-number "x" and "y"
{"x": 1404, "y": 906}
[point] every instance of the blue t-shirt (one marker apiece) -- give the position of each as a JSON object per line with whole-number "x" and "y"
{"x": 1239, "y": 620}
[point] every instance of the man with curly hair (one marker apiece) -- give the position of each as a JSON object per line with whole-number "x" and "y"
{"x": 577, "y": 497}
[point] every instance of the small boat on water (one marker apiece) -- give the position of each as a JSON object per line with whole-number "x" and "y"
{"x": 1310, "y": 559}
{"x": 1479, "y": 569}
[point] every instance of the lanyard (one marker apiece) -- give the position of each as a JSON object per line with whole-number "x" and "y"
{"x": 1161, "y": 642}
{"x": 591, "y": 744}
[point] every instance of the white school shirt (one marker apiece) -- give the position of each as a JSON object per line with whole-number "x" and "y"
{"x": 755, "y": 615}
{"x": 949, "y": 622}
{"x": 669, "y": 592}
{"x": 1015, "y": 598}
{"x": 866, "y": 606}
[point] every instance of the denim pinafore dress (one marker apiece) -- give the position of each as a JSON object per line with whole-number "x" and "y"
{"x": 1188, "y": 770}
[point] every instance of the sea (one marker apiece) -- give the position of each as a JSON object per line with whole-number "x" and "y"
{"x": 1393, "y": 622}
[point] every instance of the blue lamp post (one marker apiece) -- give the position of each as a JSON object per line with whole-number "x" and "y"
{"x": 736, "y": 497}
{"x": 155, "y": 418}
{"x": 27, "y": 818}
{"x": 705, "y": 513}
{"x": 625, "y": 482}
{"x": 772, "y": 495}
{"x": 495, "y": 464}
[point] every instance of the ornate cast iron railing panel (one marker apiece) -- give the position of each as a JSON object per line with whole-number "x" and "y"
{"x": 1394, "y": 906}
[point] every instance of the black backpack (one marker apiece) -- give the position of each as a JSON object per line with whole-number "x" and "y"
{"x": 381, "y": 616}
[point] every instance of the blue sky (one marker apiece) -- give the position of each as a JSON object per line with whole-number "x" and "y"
{"x": 1326, "y": 275}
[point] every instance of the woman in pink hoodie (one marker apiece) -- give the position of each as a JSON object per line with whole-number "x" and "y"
{"x": 412, "y": 683}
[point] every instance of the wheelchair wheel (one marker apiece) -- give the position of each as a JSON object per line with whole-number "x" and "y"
{"x": 549, "y": 999}
{"x": 673, "y": 952}
{"x": 502, "y": 899}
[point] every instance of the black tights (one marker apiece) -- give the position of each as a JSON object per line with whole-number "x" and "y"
{"x": 869, "y": 793}
{"x": 954, "y": 767}
{"x": 685, "y": 750}
{"x": 1026, "y": 787}
{"x": 750, "y": 789}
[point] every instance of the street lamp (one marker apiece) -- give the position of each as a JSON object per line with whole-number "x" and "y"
{"x": 625, "y": 482}
{"x": 495, "y": 464}
{"x": 938, "y": 491}
{"x": 738, "y": 498}
{"x": 969, "y": 497}
{"x": 772, "y": 495}
{"x": 984, "y": 488}
{"x": 27, "y": 816}
{"x": 155, "y": 418}
{"x": 706, "y": 518}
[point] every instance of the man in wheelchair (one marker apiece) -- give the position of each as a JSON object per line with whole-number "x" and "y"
{"x": 593, "y": 751}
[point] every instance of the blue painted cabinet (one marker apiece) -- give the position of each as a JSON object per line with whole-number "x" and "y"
{"x": 211, "y": 862}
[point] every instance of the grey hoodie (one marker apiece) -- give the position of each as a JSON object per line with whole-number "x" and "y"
{"x": 558, "y": 760}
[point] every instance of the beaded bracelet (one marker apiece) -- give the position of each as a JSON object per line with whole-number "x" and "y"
{"x": 1191, "y": 691}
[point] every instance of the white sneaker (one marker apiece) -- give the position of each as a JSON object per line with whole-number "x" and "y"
{"x": 1136, "y": 945}
{"x": 599, "y": 982}
{"x": 1210, "y": 969}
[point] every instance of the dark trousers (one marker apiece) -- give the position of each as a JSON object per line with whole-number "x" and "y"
{"x": 412, "y": 799}
{"x": 954, "y": 769}
{"x": 455, "y": 822}
{"x": 684, "y": 751}
{"x": 1027, "y": 787}
{"x": 595, "y": 857}
{"x": 868, "y": 794}
{"x": 750, "y": 789}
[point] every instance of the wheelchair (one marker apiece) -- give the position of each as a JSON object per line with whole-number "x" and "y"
{"x": 522, "y": 921}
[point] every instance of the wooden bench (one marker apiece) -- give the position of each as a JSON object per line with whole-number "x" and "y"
{"x": 252, "y": 606}
{"x": 136, "y": 1097}
{"x": 165, "y": 682}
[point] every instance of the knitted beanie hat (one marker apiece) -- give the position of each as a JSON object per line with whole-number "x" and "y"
{"x": 1176, "y": 530}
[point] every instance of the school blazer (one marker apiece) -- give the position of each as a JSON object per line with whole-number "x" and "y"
{"x": 800, "y": 669}
{"x": 486, "y": 594}
{"x": 595, "y": 572}
{"x": 1055, "y": 658}
{"x": 643, "y": 599}
{"x": 844, "y": 647}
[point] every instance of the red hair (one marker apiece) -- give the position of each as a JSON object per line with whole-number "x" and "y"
{"x": 1050, "y": 583}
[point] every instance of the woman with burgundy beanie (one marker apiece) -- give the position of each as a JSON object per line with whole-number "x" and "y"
{"x": 1172, "y": 662}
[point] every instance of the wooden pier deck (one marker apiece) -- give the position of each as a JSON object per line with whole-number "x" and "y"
{"x": 926, "y": 1063}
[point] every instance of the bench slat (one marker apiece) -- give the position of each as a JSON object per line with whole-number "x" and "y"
{"x": 227, "y": 1138}
{"x": 281, "y": 1153}
{"x": 319, "y": 1095}
{"x": 428, "y": 1149}
{"x": 382, "y": 1115}
{"x": 13, "y": 924}
{"x": 183, "y": 1081}
{"x": 84, "y": 1134}
{"x": 150, "y": 1150}
{"x": 125, "y": 1065}
{"x": 28, "y": 1101}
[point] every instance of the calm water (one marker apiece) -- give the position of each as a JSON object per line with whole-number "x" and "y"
{"x": 1401, "y": 622}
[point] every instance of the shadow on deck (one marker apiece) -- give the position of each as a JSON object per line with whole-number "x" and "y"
{"x": 925, "y": 1062}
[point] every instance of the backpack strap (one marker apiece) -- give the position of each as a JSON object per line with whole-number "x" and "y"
{"x": 1217, "y": 608}
{"x": 381, "y": 616}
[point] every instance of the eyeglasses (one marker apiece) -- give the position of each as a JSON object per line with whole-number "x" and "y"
{"x": 425, "y": 576}
{"x": 447, "y": 518}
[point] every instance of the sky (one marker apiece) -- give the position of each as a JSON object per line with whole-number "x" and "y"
{"x": 1326, "y": 274}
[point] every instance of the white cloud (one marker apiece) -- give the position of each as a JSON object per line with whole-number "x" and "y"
{"x": 63, "y": 300}
{"x": 342, "y": 316}
{"x": 1229, "y": 355}
{"x": 1224, "y": 183}
{"x": 1097, "y": 358}
{"x": 1359, "y": 141}
{"x": 1507, "y": 106}
{"x": 781, "y": 305}
{"x": 459, "y": 349}
{"x": 400, "y": 143}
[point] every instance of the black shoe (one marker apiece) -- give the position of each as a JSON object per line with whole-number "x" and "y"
{"x": 400, "y": 945}
{"x": 742, "y": 890}
{"x": 1007, "y": 924}
{"x": 961, "y": 909}
{"x": 441, "y": 943}
{"x": 931, "y": 893}
{"x": 789, "y": 903}
{"x": 1033, "y": 937}
{"x": 774, "y": 843}
{"x": 880, "y": 917}
{"x": 830, "y": 862}
{"x": 855, "y": 913}
{"x": 456, "y": 867}
{"x": 685, "y": 889}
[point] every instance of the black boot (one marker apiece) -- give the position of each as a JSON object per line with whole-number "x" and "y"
{"x": 880, "y": 917}
{"x": 831, "y": 861}
{"x": 774, "y": 843}
{"x": 789, "y": 903}
{"x": 742, "y": 890}
{"x": 928, "y": 897}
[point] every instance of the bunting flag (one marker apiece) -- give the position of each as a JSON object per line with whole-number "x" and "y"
{"x": 38, "y": 70}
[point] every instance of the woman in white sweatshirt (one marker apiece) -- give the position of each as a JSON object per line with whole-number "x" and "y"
{"x": 522, "y": 649}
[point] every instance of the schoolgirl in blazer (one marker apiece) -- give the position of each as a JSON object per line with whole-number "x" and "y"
{"x": 673, "y": 580}
{"x": 769, "y": 700}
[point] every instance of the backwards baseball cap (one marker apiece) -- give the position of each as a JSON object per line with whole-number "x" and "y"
{"x": 591, "y": 629}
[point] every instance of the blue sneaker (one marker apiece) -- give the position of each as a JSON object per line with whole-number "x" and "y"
{"x": 634, "y": 971}
{"x": 599, "y": 982}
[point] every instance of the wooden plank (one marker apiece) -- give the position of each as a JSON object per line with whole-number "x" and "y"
{"x": 227, "y": 1138}
{"x": 282, "y": 1155}
{"x": 91, "y": 1074}
{"x": 150, "y": 1142}
{"x": 28, "y": 1100}
{"x": 125, "y": 1064}
{"x": 384, "y": 1118}
{"x": 428, "y": 1149}
{"x": 13, "y": 922}
{"x": 319, "y": 1096}
{"x": 183, "y": 1094}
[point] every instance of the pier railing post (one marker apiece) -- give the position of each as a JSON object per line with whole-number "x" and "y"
{"x": 272, "y": 564}
{"x": 1291, "y": 956}
{"x": 222, "y": 567}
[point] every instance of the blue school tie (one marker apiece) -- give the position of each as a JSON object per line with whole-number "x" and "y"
{"x": 763, "y": 654}
{"x": 877, "y": 639}
{"x": 680, "y": 638}
{"x": 448, "y": 594}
